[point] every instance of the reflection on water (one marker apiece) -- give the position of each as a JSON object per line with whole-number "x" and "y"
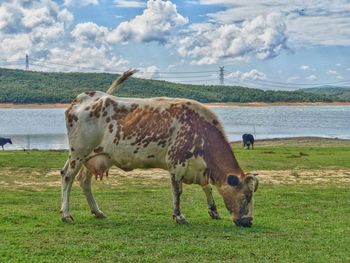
{"x": 45, "y": 128}
{"x": 286, "y": 121}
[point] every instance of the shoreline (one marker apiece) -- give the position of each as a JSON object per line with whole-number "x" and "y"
{"x": 219, "y": 104}
{"x": 299, "y": 141}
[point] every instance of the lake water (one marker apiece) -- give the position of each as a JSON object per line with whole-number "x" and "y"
{"x": 45, "y": 128}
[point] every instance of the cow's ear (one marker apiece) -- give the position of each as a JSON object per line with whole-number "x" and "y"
{"x": 232, "y": 180}
{"x": 252, "y": 181}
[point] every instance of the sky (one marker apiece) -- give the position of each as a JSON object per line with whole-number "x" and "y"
{"x": 269, "y": 44}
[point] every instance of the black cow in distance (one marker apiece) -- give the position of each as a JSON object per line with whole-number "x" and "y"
{"x": 248, "y": 140}
{"x": 3, "y": 141}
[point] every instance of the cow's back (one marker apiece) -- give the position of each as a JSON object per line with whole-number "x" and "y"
{"x": 139, "y": 133}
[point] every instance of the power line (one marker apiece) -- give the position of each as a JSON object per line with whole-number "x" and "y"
{"x": 295, "y": 84}
{"x": 180, "y": 77}
{"x": 187, "y": 72}
{"x": 199, "y": 80}
{"x": 186, "y": 76}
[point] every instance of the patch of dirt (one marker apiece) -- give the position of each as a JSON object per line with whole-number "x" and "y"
{"x": 39, "y": 179}
{"x": 304, "y": 176}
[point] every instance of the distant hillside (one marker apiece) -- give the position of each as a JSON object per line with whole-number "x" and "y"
{"x": 339, "y": 93}
{"x": 18, "y": 86}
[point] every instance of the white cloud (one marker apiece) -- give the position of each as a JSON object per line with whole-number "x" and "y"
{"x": 88, "y": 50}
{"x": 311, "y": 77}
{"x": 148, "y": 72}
{"x": 332, "y": 72}
{"x": 90, "y": 33}
{"x": 304, "y": 67}
{"x": 216, "y": 2}
{"x": 44, "y": 30}
{"x": 78, "y": 57}
{"x": 314, "y": 22}
{"x": 80, "y": 2}
{"x": 338, "y": 65}
{"x": 157, "y": 21}
{"x": 15, "y": 47}
{"x": 262, "y": 38}
{"x": 129, "y": 4}
{"x": 31, "y": 26}
{"x": 292, "y": 79}
{"x": 66, "y": 17}
{"x": 250, "y": 75}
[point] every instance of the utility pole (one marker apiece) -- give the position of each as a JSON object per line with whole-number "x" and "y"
{"x": 221, "y": 75}
{"x": 27, "y": 62}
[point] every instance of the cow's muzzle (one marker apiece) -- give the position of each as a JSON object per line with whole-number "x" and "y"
{"x": 245, "y": 221}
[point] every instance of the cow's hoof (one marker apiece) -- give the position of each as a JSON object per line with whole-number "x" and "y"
{"x": 180, "y": 219}
{"x": 214, "y": 214}
{"x": 68, "y": 219}
{"x": 100, "y": 215}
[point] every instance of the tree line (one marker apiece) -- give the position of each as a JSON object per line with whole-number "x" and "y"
{"x": 18, "y": 86}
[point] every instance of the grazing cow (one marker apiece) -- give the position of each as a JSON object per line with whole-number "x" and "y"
{"x": 178, "y": 135}
{"x": 248, "y": 140}
{"x": 3, "y": 141}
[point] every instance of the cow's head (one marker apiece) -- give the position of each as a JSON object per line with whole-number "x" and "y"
{"x": 9, "y": 140}
{"x": 238, "y": 198}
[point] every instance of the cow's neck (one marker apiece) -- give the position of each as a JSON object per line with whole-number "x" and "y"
{"x": 219, "y": 157}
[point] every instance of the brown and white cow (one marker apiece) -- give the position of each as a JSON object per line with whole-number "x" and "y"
{"x": 178, "y": 135}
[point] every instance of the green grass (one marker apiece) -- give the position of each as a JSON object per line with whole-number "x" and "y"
{"x": 293, "y": 157}
{"x": 33, "y": 159}
{"x": 265, "y": 156}
{"x": 292, "y": 223}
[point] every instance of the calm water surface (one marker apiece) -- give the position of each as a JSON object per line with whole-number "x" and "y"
{"x": 45, "y": 128}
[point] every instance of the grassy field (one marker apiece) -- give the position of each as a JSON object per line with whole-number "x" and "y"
{"x": 304, "y": 221}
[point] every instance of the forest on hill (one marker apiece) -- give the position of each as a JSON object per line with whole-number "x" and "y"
{"x": 338, "y": 93}
{"x": 19, "y": 86}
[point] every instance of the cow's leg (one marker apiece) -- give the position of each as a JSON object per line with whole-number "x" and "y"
{"x": 68, "y": 174}
{"x": 85, "y": 183}
{"x": 177, "y": 190}
{"x": 213, "y": 212}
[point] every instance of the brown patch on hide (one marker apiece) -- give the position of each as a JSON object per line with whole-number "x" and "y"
{"x": 96, "y": 108}
{"x": 200, "y": 137}
{"x": 98, "y": 150}
{"x": 90, "y": 93}
{"x": 72, "y": 164}
{"x": 142, "y": 125}
{"x": 70, "y": 117}
{"x": 110, "y": 127}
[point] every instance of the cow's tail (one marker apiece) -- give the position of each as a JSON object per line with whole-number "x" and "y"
{"x": 127, "y": 74}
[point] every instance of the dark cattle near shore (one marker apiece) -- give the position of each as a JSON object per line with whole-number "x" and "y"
{"x": 248, "y": 140}
{"x": 3, "y": 141}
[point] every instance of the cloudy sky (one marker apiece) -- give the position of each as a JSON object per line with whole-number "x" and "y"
{"x": 260, "y": 43}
